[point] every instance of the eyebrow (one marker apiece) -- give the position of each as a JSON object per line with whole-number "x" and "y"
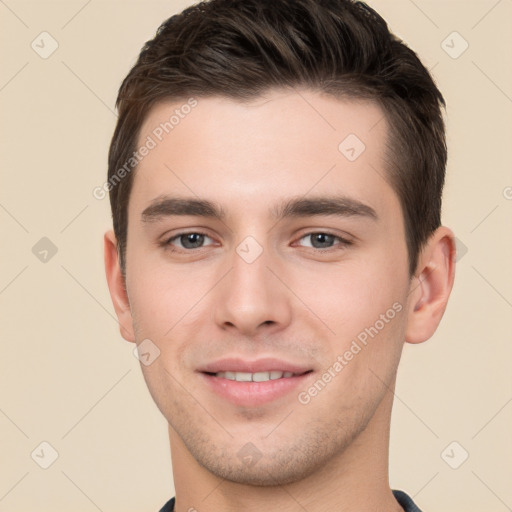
{"x": 342, "y": 206}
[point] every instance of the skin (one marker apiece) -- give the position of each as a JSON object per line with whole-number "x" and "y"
{"x": 299, "y": 301}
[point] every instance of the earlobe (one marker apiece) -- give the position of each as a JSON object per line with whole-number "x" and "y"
{"x": 431, "y": 286}
{"x": 116, "y": 286}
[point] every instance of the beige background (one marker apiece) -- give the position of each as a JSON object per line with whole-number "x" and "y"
{"x": 66, "y": 375}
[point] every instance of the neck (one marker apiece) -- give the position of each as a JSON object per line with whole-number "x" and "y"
{"x": 354, "y": 480}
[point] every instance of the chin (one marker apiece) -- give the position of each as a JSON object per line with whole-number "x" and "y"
{"x": 273, "y": 466}
{"x": 262, "y": 474}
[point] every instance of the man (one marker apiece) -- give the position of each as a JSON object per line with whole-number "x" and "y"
{"x": 275, "y": 179}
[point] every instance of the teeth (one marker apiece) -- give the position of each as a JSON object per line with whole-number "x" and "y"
{"x": 254, "y": 377}
{"x": 260, "y": 377}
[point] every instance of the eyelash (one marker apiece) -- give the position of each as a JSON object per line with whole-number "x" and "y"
{"x": 343, "y": 242}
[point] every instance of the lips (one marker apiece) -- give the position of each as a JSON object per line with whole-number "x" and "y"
{"x": 253, "y": 383}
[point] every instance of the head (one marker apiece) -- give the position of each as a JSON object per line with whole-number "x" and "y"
{"x": 295, "y": 252}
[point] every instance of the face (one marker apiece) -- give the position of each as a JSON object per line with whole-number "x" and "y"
{"x": 267, "y": 263}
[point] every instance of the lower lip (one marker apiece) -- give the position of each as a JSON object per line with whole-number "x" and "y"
{"x": 250, "y": 394}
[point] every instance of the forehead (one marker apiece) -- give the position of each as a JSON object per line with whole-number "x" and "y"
{"x": 248, "y": 153}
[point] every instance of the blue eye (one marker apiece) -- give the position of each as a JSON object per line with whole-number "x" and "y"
{"x": 322, "y": 240}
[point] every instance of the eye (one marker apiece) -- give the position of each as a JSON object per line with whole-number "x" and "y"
{"x": 191, "y": 240}
{"x": 323, "y": 240}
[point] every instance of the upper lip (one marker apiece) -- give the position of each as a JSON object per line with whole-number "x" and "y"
{"x": 234, "y": 364}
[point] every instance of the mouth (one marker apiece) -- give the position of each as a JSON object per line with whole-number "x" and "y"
{"x": 254, "y": 383}
{"x": 257, "y": 376}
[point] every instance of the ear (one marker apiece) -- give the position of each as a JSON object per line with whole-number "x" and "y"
{"x": 431, "y": 286}
{"x": 117, "y": 288}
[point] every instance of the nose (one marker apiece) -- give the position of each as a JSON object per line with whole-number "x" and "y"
{"x": 251, "y": 299}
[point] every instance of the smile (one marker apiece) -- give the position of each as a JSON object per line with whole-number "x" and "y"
{"x": 255, "y": 388}
{"x": 255, "y": 377}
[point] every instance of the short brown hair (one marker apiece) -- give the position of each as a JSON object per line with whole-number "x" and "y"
{"x": 241, "y": 48}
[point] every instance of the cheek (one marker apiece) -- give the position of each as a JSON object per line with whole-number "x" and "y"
{"x": 363, "y": 307}
{"x": 362, "y": 356}
{"x": 162, "y": 298}
{"x": 350, "y": 297}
